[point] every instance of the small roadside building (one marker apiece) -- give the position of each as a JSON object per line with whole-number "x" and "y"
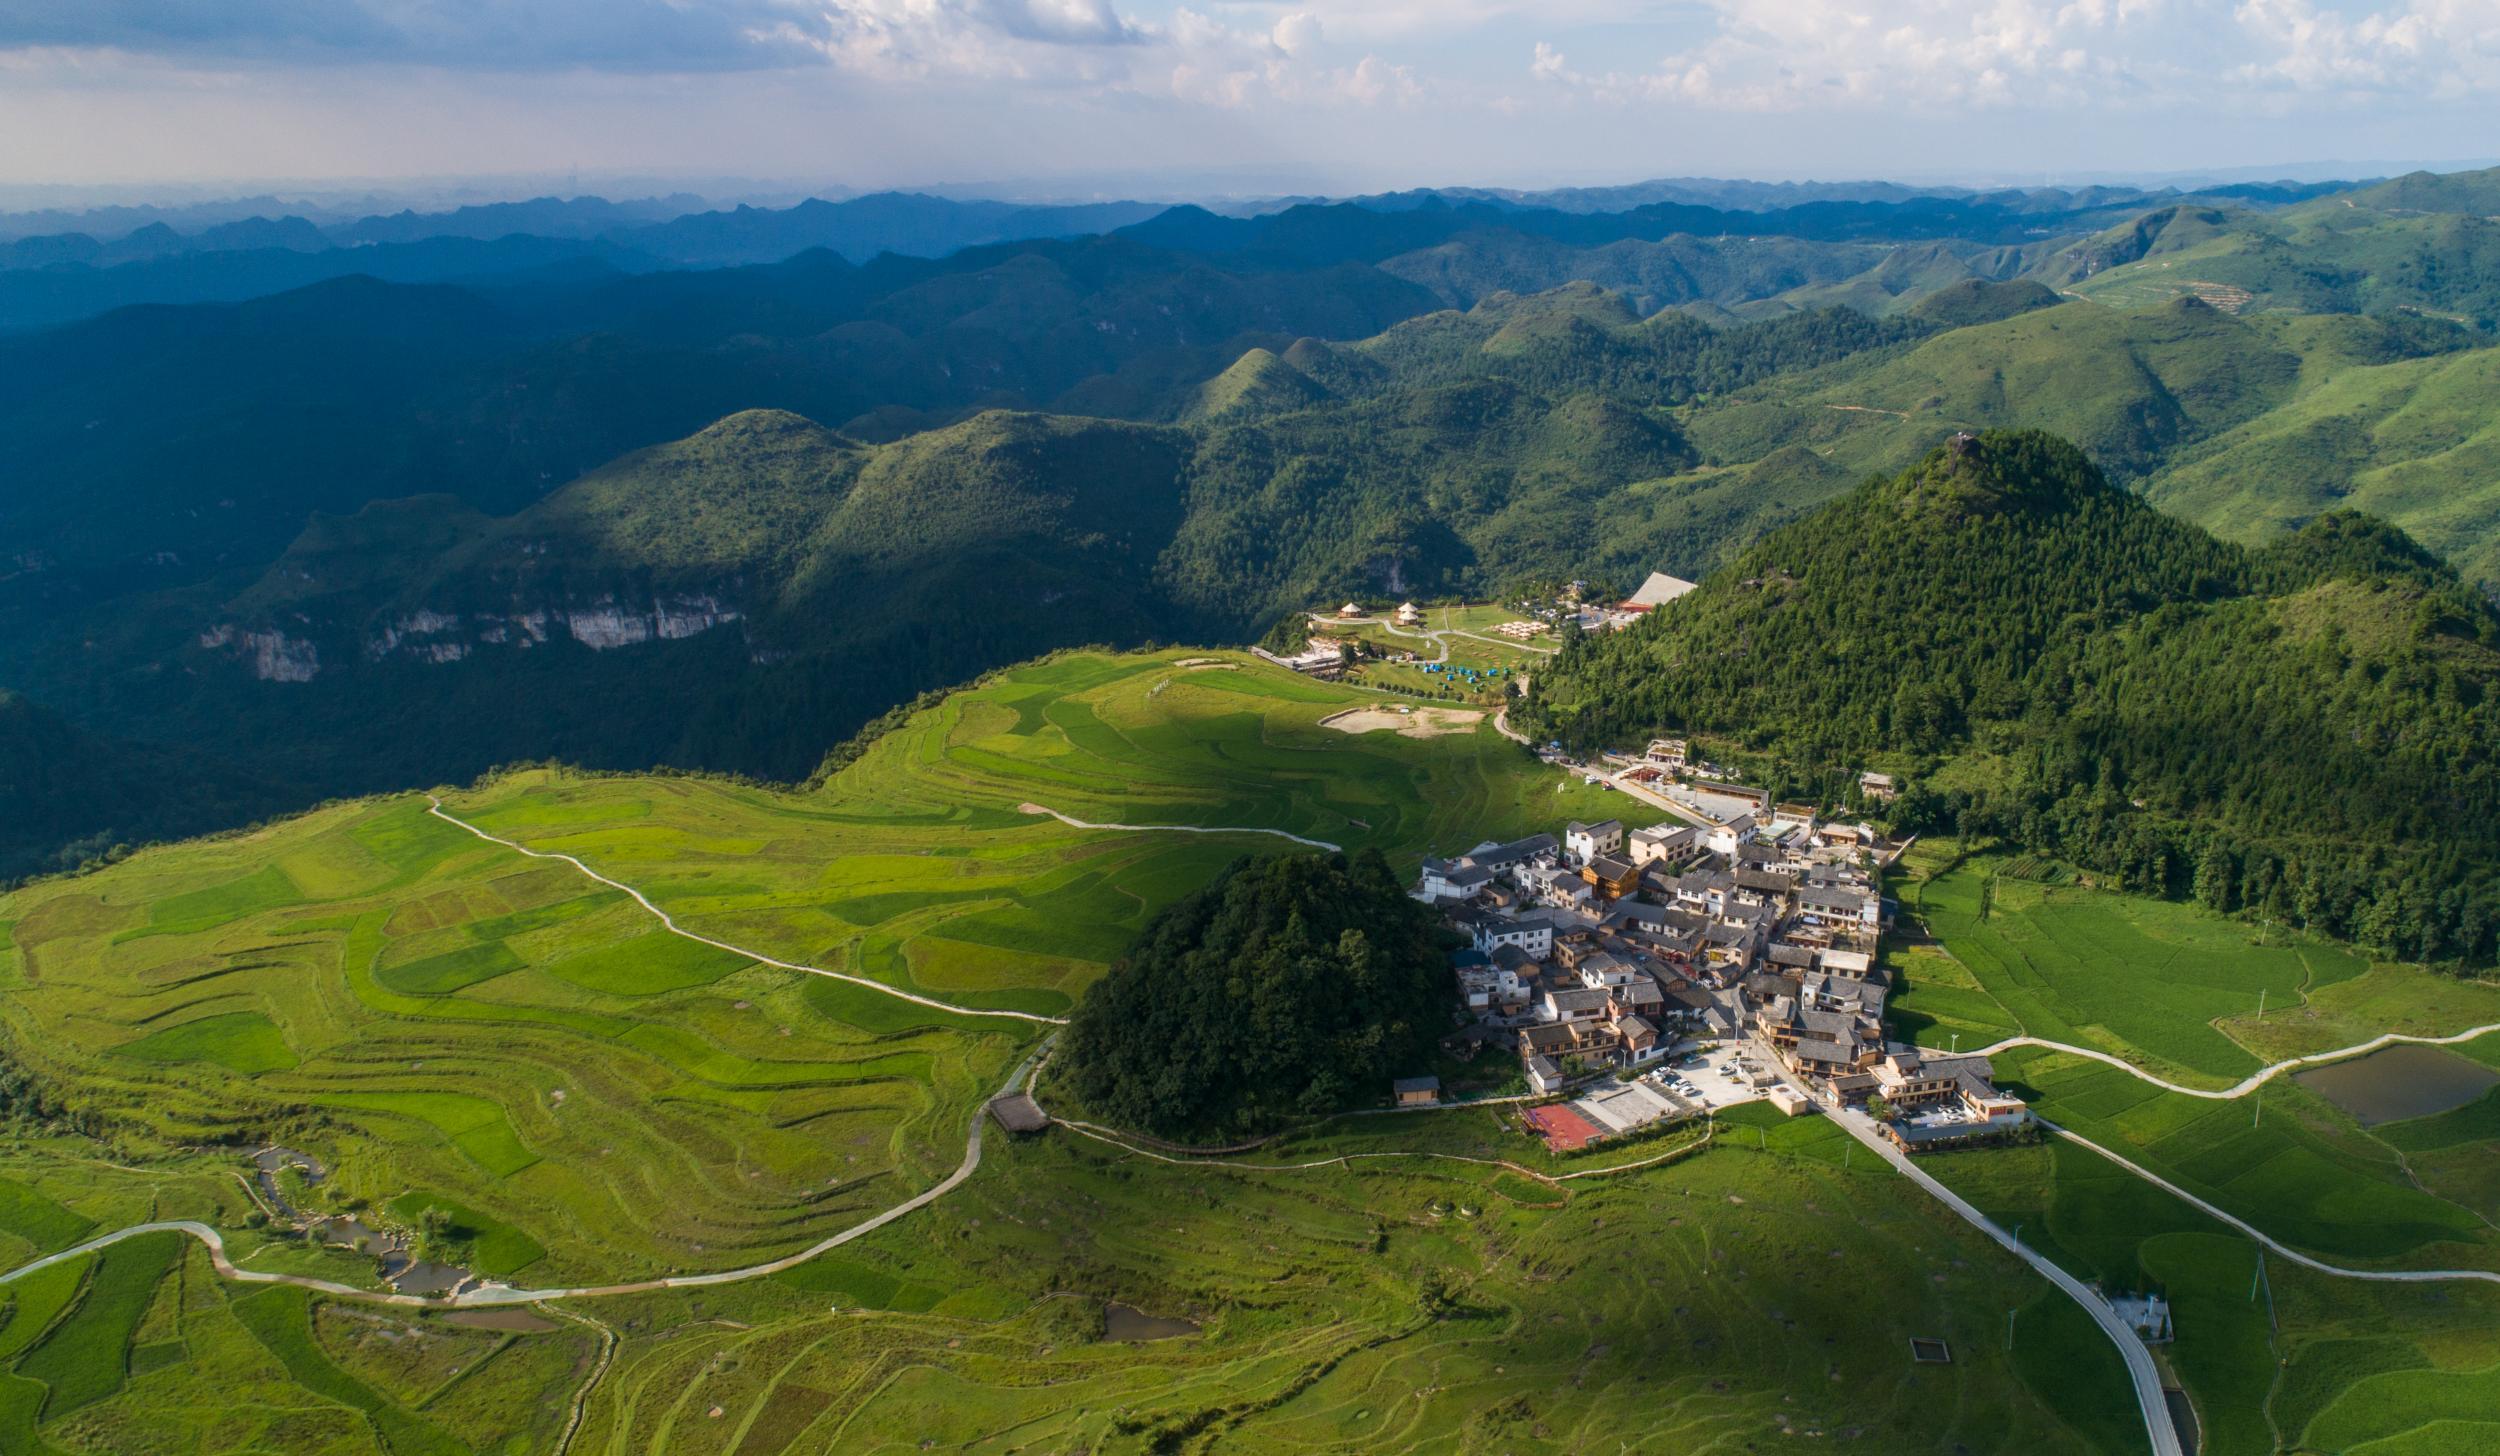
{"x": 1416, "y": 1091}
{"x": 1544, "y": 1078}
{"x": 1019, "y": 1114}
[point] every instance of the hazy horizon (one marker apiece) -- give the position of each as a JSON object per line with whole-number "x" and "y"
{"x": 1332, "y": 96}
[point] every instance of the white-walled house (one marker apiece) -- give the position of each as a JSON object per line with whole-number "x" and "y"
{"x": 1585, "y": 842}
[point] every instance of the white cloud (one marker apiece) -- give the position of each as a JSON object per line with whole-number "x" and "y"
{"x": 1296, "y": 33}
{"x": 1934, "y": 55}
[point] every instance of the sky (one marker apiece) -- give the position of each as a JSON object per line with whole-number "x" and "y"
{"x": 1070, "y": 97}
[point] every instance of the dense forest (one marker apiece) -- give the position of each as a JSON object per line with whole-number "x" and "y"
{"x": 345, "y": 538}
{"x": 1291, "y": 987}
{"x": 2305, "y": 730}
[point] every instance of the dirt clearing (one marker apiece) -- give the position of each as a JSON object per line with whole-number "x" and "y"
{"x": 1408, "y": 722}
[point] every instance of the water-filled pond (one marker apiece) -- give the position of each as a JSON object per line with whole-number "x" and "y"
{"x": 2397, "y": 1082}
{"x": 1133, "y": 1326}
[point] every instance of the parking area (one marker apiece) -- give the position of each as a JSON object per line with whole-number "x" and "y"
{"x": 1728, "y": 1077}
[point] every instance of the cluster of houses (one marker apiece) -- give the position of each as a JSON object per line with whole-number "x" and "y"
{"x": 1607, "y": 948}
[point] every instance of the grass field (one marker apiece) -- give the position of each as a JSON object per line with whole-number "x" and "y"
{"x": 2025, "y": 950}
{"x": 1483, "y": 650}
{"x": 1691, "y": 1308}
{"x": 452, "y": 1025}
{"x": 2294, "y": 1360}
{"x": 444, "y": 1020}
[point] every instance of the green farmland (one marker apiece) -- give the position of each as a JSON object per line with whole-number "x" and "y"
{"x": 504, "y": 1050}
{"x": 2283, "y": 1360}
{"x": 441, "y": 1017}
{"x": 2175, "y": 989}
{"x": 2168, "y": 986}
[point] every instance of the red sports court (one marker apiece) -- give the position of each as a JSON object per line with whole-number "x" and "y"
{"x": 1562, "y": 1128}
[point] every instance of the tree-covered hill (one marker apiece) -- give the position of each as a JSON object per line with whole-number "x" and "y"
{"x": 2131, "y": 387}
{"x": 2414, "y": 440}
{"x": 68, "y": 795}
{"x": 2306, "y": 729}
{"x": 1292, "y": 986}
{"x": 2415, "y": 245}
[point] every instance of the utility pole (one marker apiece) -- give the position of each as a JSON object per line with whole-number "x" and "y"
{"x": 2256, "y": 1104}
{"x": 2009, "y": 1329}
{"x": 2261, "y": 1003}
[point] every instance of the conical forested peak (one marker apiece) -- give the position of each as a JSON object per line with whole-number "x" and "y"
{"x": 1998, "y": 471}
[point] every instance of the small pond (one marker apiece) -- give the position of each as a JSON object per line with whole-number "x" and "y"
{"x": 2397, "y": 1082}
{"x": 1131, "y": 1326}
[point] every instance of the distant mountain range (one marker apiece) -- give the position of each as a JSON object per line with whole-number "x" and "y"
{"x": 461, "y": 503}
{"x": 51, "y": 276}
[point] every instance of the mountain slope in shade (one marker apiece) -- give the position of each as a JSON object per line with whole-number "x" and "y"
{"x": 2311, "y": 729}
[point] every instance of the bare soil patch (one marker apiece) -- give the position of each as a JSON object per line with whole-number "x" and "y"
{"x": 1415, "y": 723}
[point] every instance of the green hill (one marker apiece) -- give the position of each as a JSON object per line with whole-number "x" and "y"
{"x": 2416, "y": 245}
{"x": 2414, "y": 441}
{"x": 2131, "y": 387}
{"x": 2474, "y": 193}
{"x": 1290, "y": 987}
{"x": 68, "y": 795}
{"x": 1258, "y": 383}
{"x": 2307, "y": 729}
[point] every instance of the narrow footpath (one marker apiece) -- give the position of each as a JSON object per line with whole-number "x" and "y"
{"x": 2253, "y": 1080}
{"x": 435, "y": 807}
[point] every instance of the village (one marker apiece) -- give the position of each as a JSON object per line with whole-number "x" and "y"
{"x": 1729, "y": 955}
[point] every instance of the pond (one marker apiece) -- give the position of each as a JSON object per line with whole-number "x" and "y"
{"x": 2398, "y": 1082}
{"x": 1130, "y": 1326}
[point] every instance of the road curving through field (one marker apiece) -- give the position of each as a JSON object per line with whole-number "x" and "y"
{"x": 2253, "y": 1080}
{"x": 438, "y": 811}
{"x": 494, "y": 1295}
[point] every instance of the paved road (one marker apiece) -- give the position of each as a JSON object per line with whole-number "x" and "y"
{"x": 2158, "y": 1426}
{"x": 2254, "y": 1080}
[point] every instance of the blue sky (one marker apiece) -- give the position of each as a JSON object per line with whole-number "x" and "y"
{"x": 1346, "y": 93}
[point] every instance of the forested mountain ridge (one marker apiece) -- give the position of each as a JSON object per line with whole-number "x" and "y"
{"x": 794, "y": 580}
{"x": 2307, "y": 730}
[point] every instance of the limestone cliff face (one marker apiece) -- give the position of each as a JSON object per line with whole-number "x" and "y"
{"x": 440, "y": 638}
{"x": 277, "y": 657}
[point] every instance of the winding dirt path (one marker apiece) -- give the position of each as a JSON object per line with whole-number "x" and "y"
{"x": 1175, "y": 828}
{"x": 492, "y": 1295}
{"x": 438, "y": 811}
{"x": 2253, "y": 1080}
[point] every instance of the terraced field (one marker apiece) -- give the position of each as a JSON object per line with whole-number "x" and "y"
{"x": 458, "y": 1026}
{"x": 2167, "y": 985}
{"x": 1691, "y": 1308}
{"x": 2276, "y": 1359}
{"x": 442, "y": 1018}
{"x": 2284, "y": 1160}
